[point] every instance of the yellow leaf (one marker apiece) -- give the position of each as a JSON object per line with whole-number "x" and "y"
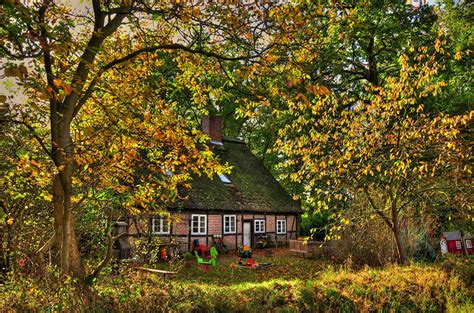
{"x": 10, "y": 221}
{"x": 458, "y": 55}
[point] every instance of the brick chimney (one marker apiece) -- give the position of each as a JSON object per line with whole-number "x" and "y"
{"x": 212, "y": 126}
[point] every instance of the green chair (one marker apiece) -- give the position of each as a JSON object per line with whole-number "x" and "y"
{"x": 212, "y": 261}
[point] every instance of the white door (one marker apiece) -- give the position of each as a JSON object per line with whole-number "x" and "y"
{"x": 247, "y": 233}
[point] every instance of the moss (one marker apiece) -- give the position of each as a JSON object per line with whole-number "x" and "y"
{"x": 253, "y": 188}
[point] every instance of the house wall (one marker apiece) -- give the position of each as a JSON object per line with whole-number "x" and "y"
{"x": 181, "y": 229}
{"x": 180, "y": 224}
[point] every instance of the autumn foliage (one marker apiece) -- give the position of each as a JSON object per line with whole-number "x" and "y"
{"x": 361, "y": 109}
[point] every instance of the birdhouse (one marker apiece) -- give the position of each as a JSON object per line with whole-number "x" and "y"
{"x": 468, "y": 242}
{"x": 453, "y": 242}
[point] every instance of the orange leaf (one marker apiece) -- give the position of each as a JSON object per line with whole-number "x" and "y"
{"x": 324, "y": 90}
{"x": 67, "y": 90}
{"x": 57, "y": 82}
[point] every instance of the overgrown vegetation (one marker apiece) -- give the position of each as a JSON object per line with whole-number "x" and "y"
{"x": 362, "y": 109}
{"x": 291, "y": 285}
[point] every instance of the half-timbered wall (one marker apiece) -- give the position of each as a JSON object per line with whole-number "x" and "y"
{"x": 181, "y": 229}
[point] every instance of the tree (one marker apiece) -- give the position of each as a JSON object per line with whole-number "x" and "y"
{"x": 455, "y": 17}
{"x": 65, "y": 49}
{"x": 382, "y": 146}
{"x": 332, "y": 46}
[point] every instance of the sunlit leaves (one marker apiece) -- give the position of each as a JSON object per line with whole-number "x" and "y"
{"x": 381, "y": 141}
{"x": 130, "y": 140}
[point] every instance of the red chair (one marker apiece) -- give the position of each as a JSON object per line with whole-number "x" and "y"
{"x": 202, "y": 250}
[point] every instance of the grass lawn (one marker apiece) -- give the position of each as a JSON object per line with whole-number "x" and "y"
{"x": 227, "y": 273}
{"x": 290, "y": 285}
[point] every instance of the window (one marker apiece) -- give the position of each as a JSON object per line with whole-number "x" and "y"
{"x": 230, "y": 222}
{"x": 160, "y": 225}
{"x": 224, "y": 179}
{"x": 281, "y": 227}
{"x": 198, "y": 224}
{"x": 217, "y": 143}
{"x": 458, "y": 245}
{"x": 259, "y": 226}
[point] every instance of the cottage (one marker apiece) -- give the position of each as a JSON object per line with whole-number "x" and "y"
{"x": 240, "y": 207}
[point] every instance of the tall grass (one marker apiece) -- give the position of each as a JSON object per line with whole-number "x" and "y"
{"x": 402, "y": 289}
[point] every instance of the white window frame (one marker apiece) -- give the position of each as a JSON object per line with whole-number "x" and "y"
{"x": 228, "y": 219}
{"x": 199, "y": 217}
{"x": 281, "y": 227}
{"x": 261, "y": 228}
{"x": 161, "y": 222}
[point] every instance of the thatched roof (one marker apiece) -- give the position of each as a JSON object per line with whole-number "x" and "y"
{"x": 252, "y": 188}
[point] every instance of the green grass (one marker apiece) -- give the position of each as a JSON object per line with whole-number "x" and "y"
{"x": 226, "y": 273}
{"x": 290, "y": 285}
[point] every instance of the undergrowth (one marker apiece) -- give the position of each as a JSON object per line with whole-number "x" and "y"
{"x": 320, "y": 287}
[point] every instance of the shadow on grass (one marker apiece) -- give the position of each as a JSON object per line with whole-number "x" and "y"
{"x": 227, "y": 273}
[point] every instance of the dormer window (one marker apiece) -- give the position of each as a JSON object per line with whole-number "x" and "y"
{"x": 217, "y": 143}
{"x": 224, "y": 179}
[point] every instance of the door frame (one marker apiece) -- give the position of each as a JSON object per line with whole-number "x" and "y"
{"x": 251, "y": 232}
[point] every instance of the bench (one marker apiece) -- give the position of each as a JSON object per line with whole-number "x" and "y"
{"x": 155, "y": 271}
{"x": 306, "y": 249}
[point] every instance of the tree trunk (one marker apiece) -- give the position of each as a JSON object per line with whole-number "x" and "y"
{"x": 66, "y": 243}
{"x": 401, "y": 248}
{"x": 69, "y": 256}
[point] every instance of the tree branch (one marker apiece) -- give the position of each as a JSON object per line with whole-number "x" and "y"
{"x": 376, "y": 209}
{"x": 48, "y": 244}
{"x": 108, "y": 255}
{"x": 35, "y": 135}
{"x": 151, "y": 49}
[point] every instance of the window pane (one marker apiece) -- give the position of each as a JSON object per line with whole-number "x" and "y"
{"x": 260, "y": 226}
{"x": 197, "y": 224}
